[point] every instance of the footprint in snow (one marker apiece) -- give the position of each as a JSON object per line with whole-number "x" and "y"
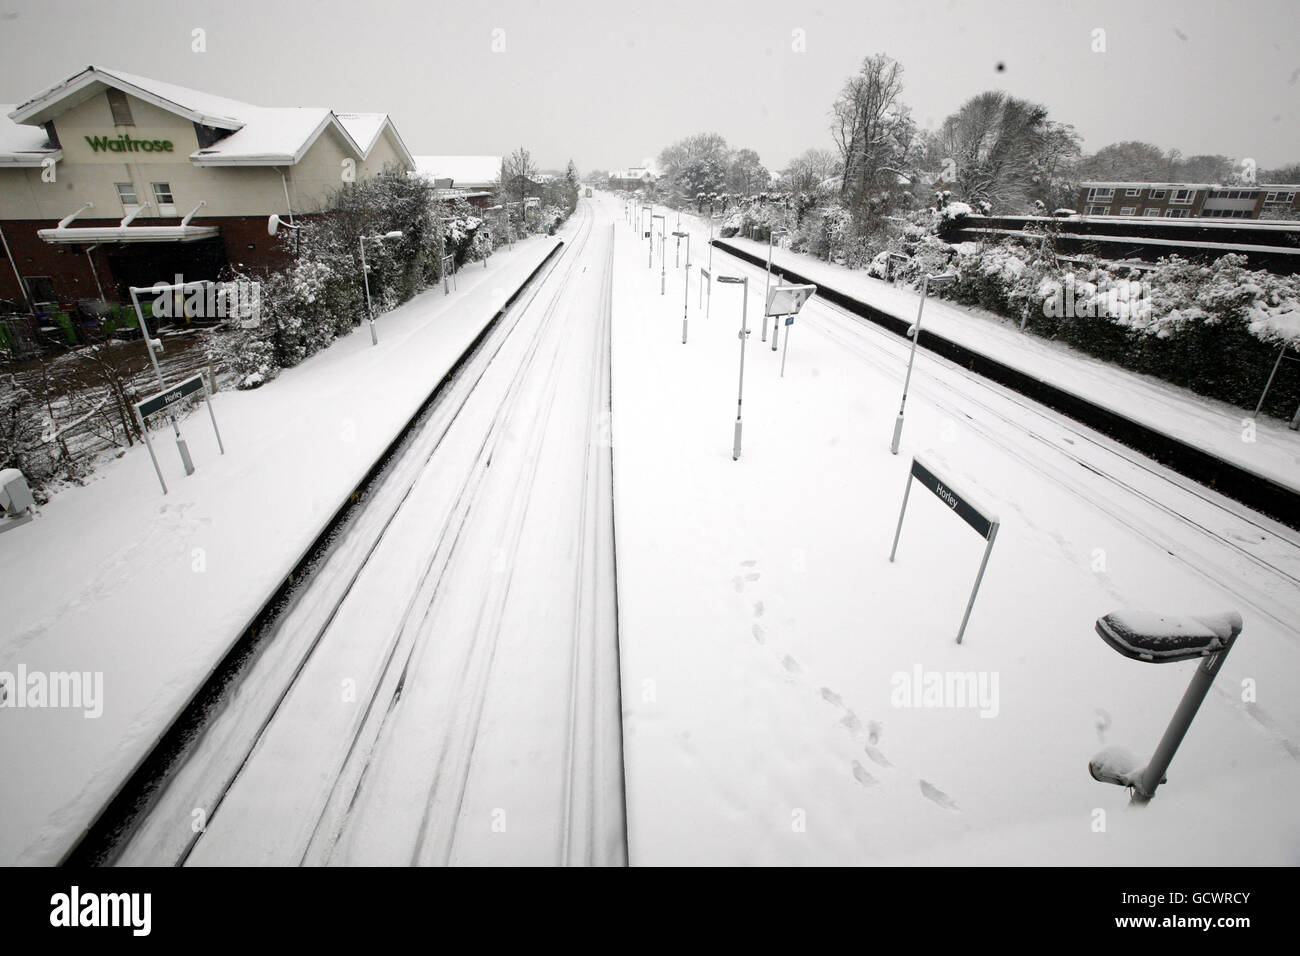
{"x": 748, "y": 564}
{"x": 792, "y": 665}
{"x": 873, "y": 732}
{"x": 938, "y": 796}
{"x": 861, "y": 776}
{"x": 758, "y": 609}
{"x": 738, "y": 583}
{"x": 851, "y": 723}
{"x": 876, "y": 756}
{"x": 759, "y": 634}
{"x": 831, "y": 697}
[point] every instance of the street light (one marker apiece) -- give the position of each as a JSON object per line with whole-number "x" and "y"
{"x": 274, "y": 224}
{"x": 365, "y": 277}
{"x": 1163, "y": 639}
{"x": 686, "y": 282}
{"x": 677, "y": 258}
{"x": 663, "y": 277}
{"x": 744, "y": 334}
{"x": 767, "y": 285}
{"x": 915, "y": 333}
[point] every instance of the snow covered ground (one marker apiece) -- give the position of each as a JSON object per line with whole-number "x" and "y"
{"x": 1203, "y": 422}
{"x": 446, "y": 688}
{"x": 152, "y": 590}
{"x": 770, "y": 649}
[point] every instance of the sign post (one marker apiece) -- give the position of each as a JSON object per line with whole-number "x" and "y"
{"x": 981, "y": 520}
{"x": 164, "y": 400}
{"x": 785, "y": 301}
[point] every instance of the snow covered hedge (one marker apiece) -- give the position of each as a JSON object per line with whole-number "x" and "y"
{"x": 1214, "y": 328}
{"x": 320, "y": 295}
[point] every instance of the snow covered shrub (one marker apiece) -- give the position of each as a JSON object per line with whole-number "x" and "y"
{"x": 22, "y": 422}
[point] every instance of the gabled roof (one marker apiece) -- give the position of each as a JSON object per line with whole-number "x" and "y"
{"x": 23, "y": 145}
{"x": 259, "y": 135}
{"x": 366, "y": 128}
{"x": 462, "y": 170}
{"x": 204, "y": 108}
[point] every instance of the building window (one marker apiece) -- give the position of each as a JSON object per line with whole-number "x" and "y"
{"x": 126, "y": 194}
{"x": 40, "y": 289}
{"x": 1100, "y": 195}
{"x": 121, "y": 107}
{"x": 1157, "y": 194}
{"x": 1152, "y": 213}
{"x": 1128, "y": 211}
{"x": 1279, "y": 197}
{"x": 1132, "y": 192}
{"x": 1097, "y": 211}
{"x": 162, "y": 194}
{"x": 1175, "y": 213}
{"x": 1182, "y": 196}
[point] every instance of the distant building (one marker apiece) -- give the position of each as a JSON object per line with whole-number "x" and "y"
{"x": 472, "y": 178}
{"x": 635, "y": 177}
{"x": 1189, "y": 200}
{"x": 109, "y": 180}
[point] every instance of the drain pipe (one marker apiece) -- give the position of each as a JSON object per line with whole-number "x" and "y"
{"x": 287, "y": 204}
{"x": 21, "y": 285}
{"x": 91, "y": 259}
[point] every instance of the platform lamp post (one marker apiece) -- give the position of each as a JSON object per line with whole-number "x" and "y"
{"x": 686, "y": 280}
{"x": 915, "y": 333}
{"x": 1164, "y": 639}
{"x": 677, "y": 257}
{"x": 744, "y": 336}
{"x": 365, "y": 277}
{"x": 767, "y": 284}
{"x": 663, "y": 275}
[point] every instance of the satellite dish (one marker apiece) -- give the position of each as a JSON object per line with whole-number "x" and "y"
{"x": 272, "y": 225}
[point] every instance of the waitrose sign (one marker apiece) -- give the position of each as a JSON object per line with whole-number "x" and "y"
{"x": 125, "y": 144}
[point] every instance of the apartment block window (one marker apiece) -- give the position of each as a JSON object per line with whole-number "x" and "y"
{"x": 1182, "y": 195}
{"x": 162, "y": 195}
{"x": 1097, "y": 211}
{"x": 1100, "y": 195}
{"x": 1175, "y": 213}
{"x": 1132, "y": 192}
{"x": 126, "y": 195}
{"x": 1157, "y": 194}
{"x": 1152, "y": 213}
{"x": 121, "y": 107}
{"x": 1128, "y": 211}
{"x": 1279, "y": 197}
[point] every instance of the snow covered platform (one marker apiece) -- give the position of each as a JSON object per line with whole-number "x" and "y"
{"x": 1198, "y": 436}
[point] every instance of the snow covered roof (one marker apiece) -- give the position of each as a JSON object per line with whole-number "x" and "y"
{"x": 463, "y": 171}
{"x": 23, "y": 145}
{"x": 204, "y": 108}
{"x": 260, "y": 135}
{"x": 366, "y": 128}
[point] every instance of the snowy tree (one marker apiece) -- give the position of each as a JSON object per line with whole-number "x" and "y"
{"x": 696, "y": 164}
{"x": 746, "y": 174}
{"x": 875, "y": 134}
{"x": 994, "y": 142}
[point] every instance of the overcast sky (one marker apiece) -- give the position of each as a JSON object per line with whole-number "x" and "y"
{"x": 609, "y": 83}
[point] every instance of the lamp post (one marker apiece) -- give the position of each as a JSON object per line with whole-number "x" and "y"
{"x": 767, "y": 284}
{"x": 663, "y": 276}
{"x": 365, "y": 277}
{"x": 915, "y": 333}
{"x": 744, "y": 335}
{"x": 686, "y": 281}
{"x": 677, "y": 257}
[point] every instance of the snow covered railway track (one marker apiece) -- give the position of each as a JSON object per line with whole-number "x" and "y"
{"x": 1224, "y": 524}
{"x": 398, "y": 636}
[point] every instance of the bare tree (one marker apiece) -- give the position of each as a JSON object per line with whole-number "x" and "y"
{"x": 874, "y": 132}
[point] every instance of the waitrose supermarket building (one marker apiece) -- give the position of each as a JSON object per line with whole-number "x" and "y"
{"x": 109, "y": 180}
